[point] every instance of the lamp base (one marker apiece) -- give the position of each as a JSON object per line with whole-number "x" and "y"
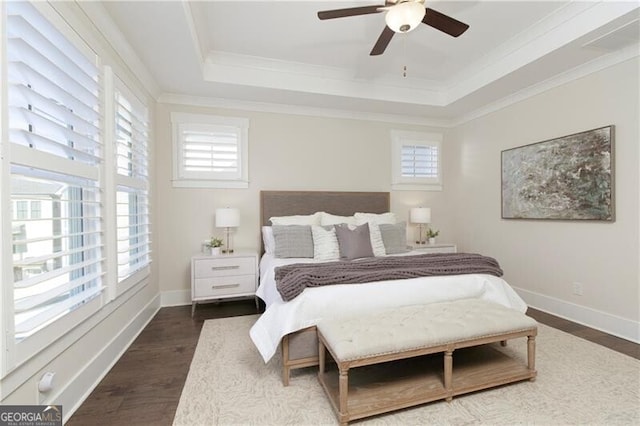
{"x": 228, "y": 250}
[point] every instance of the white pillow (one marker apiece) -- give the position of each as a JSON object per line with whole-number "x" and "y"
{"x": 374, "y": 220}
{"x": 381, "y": 218}
{"x": 311, "y": 219}
{"x": 268, "y": 240}
{"x": 325, "y": 244}
{"x": 331, "y": 219}
{"x": 377, "y": 243}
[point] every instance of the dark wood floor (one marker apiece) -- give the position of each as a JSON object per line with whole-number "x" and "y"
{"x": 144, "y": 386}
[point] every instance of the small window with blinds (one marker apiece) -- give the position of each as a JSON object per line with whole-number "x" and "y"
{"x": 416, "y": 160}
{"x": 210, "y": 151}
{"x": 419, "y": 161}
{"x": 53, "y": 122}
{"x": 132, "y": 183}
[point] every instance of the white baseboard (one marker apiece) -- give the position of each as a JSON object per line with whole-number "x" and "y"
{"x": 175, "y": 298}
{"x": 86, "y": 380}
{"x": 603, "y": 321}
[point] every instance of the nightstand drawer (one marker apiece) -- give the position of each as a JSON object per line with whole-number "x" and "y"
{"x": 224, "y": 286}
{"x": 221, "y": 267}
{"x": 437, "y": 248}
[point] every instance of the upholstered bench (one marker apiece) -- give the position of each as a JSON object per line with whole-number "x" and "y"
{"x": 375, "y": 342}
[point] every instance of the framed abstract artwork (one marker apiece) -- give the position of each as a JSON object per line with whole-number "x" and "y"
{"x": 567, "y": 178}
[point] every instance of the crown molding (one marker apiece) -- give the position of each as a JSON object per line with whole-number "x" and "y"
{"x": 232, "y": 68}
{"x": 594, "y": 66}
{"x": 551, "y": 33}
{"x": 233, "y": 104}
{"x": 501, "y": 60}
{"x": 113, "y": 37}
{"x": 193, "y": 30}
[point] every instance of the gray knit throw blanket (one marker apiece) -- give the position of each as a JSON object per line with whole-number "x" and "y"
{"x": 291, "y": 280}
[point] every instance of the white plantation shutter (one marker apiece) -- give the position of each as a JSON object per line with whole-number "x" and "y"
{"x": 416, "y": 160}
{"x": 210, "y": 150}
{"x": 53, "y": 89}
{"x": 53, "y": 120}
{"x": 132, "y": 136}
{"x": 133, "y": 236}
{"x": 132, "y": 180}
{"x": 419, "y": 161}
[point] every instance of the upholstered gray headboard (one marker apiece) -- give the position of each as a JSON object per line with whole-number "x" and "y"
{"x": 286, "y": 203}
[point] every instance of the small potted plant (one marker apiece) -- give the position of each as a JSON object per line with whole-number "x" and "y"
{"x": 432, "y": 234}
{"x": 214, "y": 245}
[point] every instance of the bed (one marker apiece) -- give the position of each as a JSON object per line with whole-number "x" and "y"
{"x": 290, "y": 325}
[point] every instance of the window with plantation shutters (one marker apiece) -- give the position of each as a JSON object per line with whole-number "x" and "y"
{"x": 416, "y": 160}
{"x": 210, "y": 151}
{"x": 132, "y": 181}
{"x": 419, "y": 161}
{"x": 55, "y": 155}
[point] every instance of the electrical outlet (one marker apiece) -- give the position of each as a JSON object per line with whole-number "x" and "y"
{"x": 577, "y": 289}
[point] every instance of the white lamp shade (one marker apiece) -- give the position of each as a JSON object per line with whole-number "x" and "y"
{"x": 420, "y": 215}
{"x": 404, "y": 17}
{"x": 227, "y": 218}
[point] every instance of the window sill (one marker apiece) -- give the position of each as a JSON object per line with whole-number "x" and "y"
{"x": 415, "y": 187}
{"x": 237, "y": 184}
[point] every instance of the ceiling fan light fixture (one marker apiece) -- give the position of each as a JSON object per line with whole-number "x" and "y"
{"x": 404, "y": 17}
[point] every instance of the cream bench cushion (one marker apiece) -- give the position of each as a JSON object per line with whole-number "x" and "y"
{"x": 419, "y": 326}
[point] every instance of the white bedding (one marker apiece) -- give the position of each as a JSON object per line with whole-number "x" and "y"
{"x": 281, "y": 318}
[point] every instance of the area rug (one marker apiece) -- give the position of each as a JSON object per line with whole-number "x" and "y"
{"x": 578, "y": 383}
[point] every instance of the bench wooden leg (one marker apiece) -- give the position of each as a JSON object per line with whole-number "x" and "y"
{"x": 344, "y": 395}
{"x": 531, "y": 354}
{"x": 503, "y": 343}
{"x": 322, "y": 353}
{"x": 448, "y": 374}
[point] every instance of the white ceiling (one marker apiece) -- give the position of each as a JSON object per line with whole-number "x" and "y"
{"x": 279, "y": 52}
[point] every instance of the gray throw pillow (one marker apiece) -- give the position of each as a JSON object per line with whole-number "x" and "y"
{"x": 292, "y": 241}
{"x": 394, "y": 237}
{"x": 355, "y": 243}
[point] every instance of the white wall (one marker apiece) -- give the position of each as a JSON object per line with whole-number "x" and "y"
{"x": 544, "y": 258}
{"x": 286, "y": 152}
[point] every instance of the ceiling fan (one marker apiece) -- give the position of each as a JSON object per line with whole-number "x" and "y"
{"x": 401, "y": 16}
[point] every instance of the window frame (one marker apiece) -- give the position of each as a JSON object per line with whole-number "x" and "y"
{"x": 182, "y": 121}
{"x": 401, "y": 138}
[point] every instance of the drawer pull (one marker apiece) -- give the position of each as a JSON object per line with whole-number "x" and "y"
{"x": 224, "y": 268}
{"x": 218, "y": 287}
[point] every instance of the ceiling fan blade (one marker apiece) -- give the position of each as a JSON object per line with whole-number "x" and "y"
{"x": 444, "y": 23}
{"x": 352, "y": 11}
{"x": 383, "y": 41}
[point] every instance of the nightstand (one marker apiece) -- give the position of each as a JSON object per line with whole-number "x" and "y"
{"x": 436, "y": 248}
{"x": 223, "y": 277}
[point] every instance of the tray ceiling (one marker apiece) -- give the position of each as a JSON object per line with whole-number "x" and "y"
{"x": 279, "y": 52}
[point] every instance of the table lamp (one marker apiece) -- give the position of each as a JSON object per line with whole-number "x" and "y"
{"x": 421, "y": 216}
{"x": 227, "y": 218}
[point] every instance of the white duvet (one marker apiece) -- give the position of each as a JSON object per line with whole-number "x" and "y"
{"x": 281, "y": 318}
